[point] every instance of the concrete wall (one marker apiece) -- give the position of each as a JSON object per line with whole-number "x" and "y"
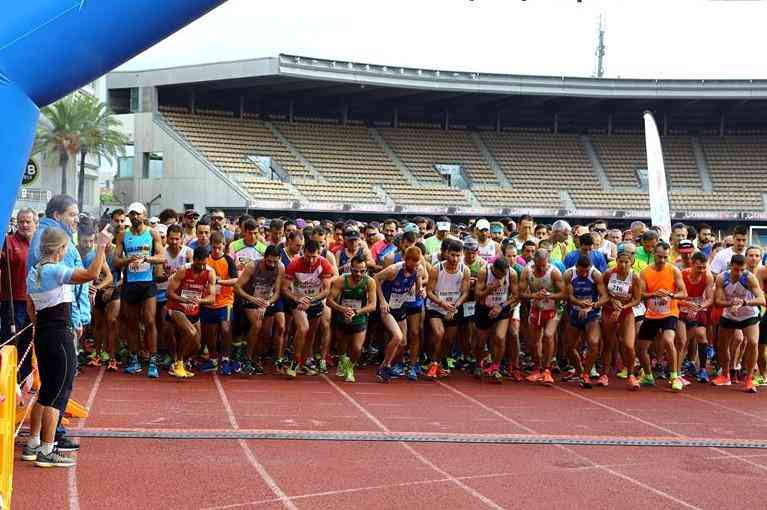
{"x": 185, "y": 180}
{"x": 49, "y": 180}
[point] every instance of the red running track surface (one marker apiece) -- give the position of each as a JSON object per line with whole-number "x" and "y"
{"x": 265, "y": 474}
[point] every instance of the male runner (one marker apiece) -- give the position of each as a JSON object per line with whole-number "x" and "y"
{"x": 526, "y": 227}
{"x": 177, "y": 256}
{"x": 189, "y": 222}
{"x": 202, "y": 232}
{"x": 694, "y": 311}
{"x": 137, "y": 250}
{"x": 434, "y": 243}
{"x": 352, "y": 248}
{"x": 384, "y": 247}
{"x": 487, "y": 249}
{"x": 247, "y": 248}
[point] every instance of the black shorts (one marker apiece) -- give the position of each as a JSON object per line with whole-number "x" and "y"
{"x": 763, "y": 330}
{"x": 482, "y": 316}
{"x": 650, "y": 327}
{"x": 138, "y": 292}
{"x": 726, "y": 323}
{"x": 350, "y": 329}
{"x": 400, "y": 314}
{"x": 433, "y": 314}
{"x": 103, "y": 298}
{"x": 56, "y": 363}
{"x": 314, "y": 310}
{"x": 276, "y": 307}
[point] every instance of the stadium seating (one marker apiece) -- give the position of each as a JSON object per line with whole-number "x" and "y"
{"x": 337, "y": 192}
{"x": 436, "y": 195}
{"x": 737, "y": 164}
{"x": 514, "y": 198}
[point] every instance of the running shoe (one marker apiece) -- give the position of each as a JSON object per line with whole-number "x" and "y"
{"x": 112, "y": 365}
{"x": 534, "y": 377}
{"x": 633, "y": 382}
{"x": 623, "y": 374}
{"x": 322, "y": 366}
{"x": 594, "y": 374}
{"x": 647, "y": 380}
{"x": 53, "y": 459}
{"x": 224, "y": 368}
{"x": 349, "y": 375}
{"x": 94, "y": 360}
{"x": 247, "y": 368}
{"x": 703, "y": 376}
{"x": 104, "y": 356}
{"x": 341, "y": 368}
{"x": 177, "y": 369}
{"x": 688, "y": 367}
{"x": 29, "y": 453}
{"x": 546, "y": 377}
{"x": 603, "y": 381}
{"x": 152, "y": 372}
{"x": 748, "y": 383}
{"x": 517, "y": 375}
{"x": 685, "y": 382}
{"x": 64, "y": 444}
{"x": 310, "y": 363}
{"x": 433, "y": 371}
{"x": 721, "y": 380}
{"x": 383, "y": 374}
{"x": 762, "y": 380}
{"x": 397, "y": 371}
{"x": 306, "y": 369}
{"x": 291, "y": 370}
{"x": 167, "y": 361}
{"x": 585, "y": 381}
{"x": 497, "y": 376}
{"x": 134, "y": 365}
{"x": 442, "y": 372}
{"x": 676, "y": 384}
{"x": 412, "y": 373}
{"x": 477, "y": 372}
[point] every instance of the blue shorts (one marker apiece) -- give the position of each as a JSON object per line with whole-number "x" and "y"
{"x": 578, "y": 323}
{"x": 215, "y": 315}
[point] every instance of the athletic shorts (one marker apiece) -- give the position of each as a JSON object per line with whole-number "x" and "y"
{"x": 400, "y": 314}
{"x": 482, "y": 317}
{"x": 56, "y": 363}
{"x": 276, "y": 307}
{"x": 215, "y": 315}
{"x": 192, "y": 318}
{"x": 434, "y": 314}
{"x": 349, "y": 329}
{"x": 575, "y": 320}
{"x": 138, "y": 292}
{"x": 101, "y": 301}
{"x": 540, "y": 317}
{"x": 763, "y": 330}
{"x": 700, "y": 319}
{"x": 414, "y": 307}
{"x": 731, "y": 324}
{"x": 607, "y": 312}
{"x": 715, "y": 314}
{"x": 468, "y": 311}
{"x": 650, "y": 327}
{"x": 314, "y": 310}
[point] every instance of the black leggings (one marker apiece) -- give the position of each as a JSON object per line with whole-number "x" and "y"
{"x": 57, "y": 363}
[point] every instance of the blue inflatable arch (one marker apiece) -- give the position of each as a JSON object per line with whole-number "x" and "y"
{"x": 49, "y": 48}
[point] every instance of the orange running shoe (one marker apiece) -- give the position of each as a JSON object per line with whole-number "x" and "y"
{"x": 584, "y": 381}
{"x": 546, "y": 377}
{"x": 517, "y": 376}
{"x": 749, "y": 383}
{"x": 721, "y": 380}
{"x": 603, "y": 380}
{"x": 535, "y": 376}
{"x": 433, "y": 371}
{"x": 112, "y": 366}
{"x": 633, "y": 382}
{"x": 94, "y": 361}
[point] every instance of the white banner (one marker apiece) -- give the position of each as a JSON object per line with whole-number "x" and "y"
{"x": 660, "y": 214}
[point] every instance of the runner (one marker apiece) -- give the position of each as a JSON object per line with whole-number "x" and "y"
{"x": 761, "y": 276}
{"x": 694, "y": 311}
{"x": 382, "y": 248}
{"x": 585, "y": 293}
{"x": 662, "y": 287}
{"x": 526, "y": 227}
{"x": 739, "y": 293}
{"x": 189, "y": 224}
{"x": 541, "y": 284}
{"x": 216, "y": 318}
{"x": 512, "y": 341}
{"x": 447, "y": 289}
{"x": 623, "y": 288}
{"x": 247, "y": 248}
{"x": 306, "y": 285}
{"x": 202, "y": 234}
{"x": 259, "y": 288}
{"x": 137, "y": 250}
{"x": 468, "y": 340}
{"x": 434, "y": 243}
{"x": 352, "y": 297}
{"x": 496, "y": 293}
{"x": 190, "y": 287}
{"x": 488, "y": 249}
{"x": 352, "y": 248}
{"x": 177, "y": 256}
{"x": 86, "y": 239}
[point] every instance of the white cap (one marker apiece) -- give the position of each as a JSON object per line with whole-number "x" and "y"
{"x": 161, "y": 228}
{"x": 154, "y": 220}
{"x": 136, "y": 207}
{"x": 482, "y": 224}
{"x": 443, "y": 225}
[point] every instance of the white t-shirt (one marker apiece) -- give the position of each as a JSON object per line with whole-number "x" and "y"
{"x": 519, "y": 242}
{"x": 606, "y": 249}
{"x": 722, "y": 261}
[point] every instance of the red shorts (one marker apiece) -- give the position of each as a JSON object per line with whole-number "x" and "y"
{"x": 698, "y": 320}
{"x": 607, "y": 312}
{"x": 714, "y": 314}
{"x": 540, "y": 317}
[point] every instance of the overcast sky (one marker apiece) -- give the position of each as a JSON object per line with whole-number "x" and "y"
{"x": 645, "y": 38}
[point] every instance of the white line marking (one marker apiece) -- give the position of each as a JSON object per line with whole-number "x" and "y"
{"x": 74, "y": 497}
{"x": 604, "y": 468}
{"x": 487, "y": 501}
{"x": 727, "y": 408}
{"x": 268, "y": 480}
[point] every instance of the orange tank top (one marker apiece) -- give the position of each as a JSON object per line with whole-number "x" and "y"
{"x": 657, "y": 307}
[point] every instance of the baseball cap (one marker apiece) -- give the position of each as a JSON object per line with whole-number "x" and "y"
{"x": 191, "y": 212}
{"x": 411, "y": 227}
{"x": 482, "y": 224}
{"x": 470, "y": 244}
{"x": 136, "y": 207}
{"x": 443, "y": 226}
{"x": 154, "y": 220}
{"x": 351, "y": 233}
{"x": 686, "y": 246}
{"x": 300, "y": 223}
{"x": 496, "y": 227}
{"x": 161, "y": 229}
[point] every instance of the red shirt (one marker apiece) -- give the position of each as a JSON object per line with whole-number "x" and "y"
{"x": 17, "y": 247}
{"x": 307, "y": 279}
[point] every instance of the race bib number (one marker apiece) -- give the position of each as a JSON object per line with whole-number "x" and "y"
{"x": 639, "y": 310}
{"x": 354, "y": 304}
{"x": 138, "y": 267}
{"x": 659, "y": 304}
{"x": 495, "y": 299}
{"x": 397, "y": 300}
{"x": 450, "y": 297}
{"x": 411, "y": 298}
{"x": 545, "y": 304}
{"x": 618, "y": 288}
{"x": 683, "y": 308}
{"x": 468, "y": 308}
{"x": 190, "y": 308}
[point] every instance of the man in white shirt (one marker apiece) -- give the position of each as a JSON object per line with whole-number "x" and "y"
{"x": 598, "y": 230}
{"x": 722, "y": 260}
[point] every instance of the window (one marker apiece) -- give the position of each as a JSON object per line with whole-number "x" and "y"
{"x": 153, "y": 165}
{"x": 134, "y": 104}
{"x": 125, "y": 163}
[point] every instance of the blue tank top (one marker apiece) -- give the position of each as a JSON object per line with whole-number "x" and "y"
{"x": 584, "y": 288}
{"x": 397, "y": 256}
{"x": 381, "y": 256}
{"x": 401, "y": 285}
{"x": 138, "y": 245}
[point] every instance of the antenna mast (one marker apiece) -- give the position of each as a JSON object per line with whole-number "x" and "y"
{"x": 599, "y": 72}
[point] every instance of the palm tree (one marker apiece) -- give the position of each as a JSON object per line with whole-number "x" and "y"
{"x": 99, "y": 136}
{"x": 59, "y": 133}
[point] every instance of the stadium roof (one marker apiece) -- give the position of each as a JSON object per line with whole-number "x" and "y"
{"x": 290, "y": 73}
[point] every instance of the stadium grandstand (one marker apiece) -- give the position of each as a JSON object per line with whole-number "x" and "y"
{"x": 312, "y": 135}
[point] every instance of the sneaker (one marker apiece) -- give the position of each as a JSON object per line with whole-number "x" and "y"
{"x": 534, "y": 377}
{"x": 306, "y": 369}
{"x": 546, "y": 377}
{"x": 246, "y": 368}
{"x": 134, "y": 365}
{"x": 224, "y": 368}
{"x": 53, "y": 459}
{"x": 397, "y": 371}
{"x": 594, "y": 374}
{"x": 623, "y": 374}
{"x": 703, "y": 376}
{"x": 517, "y": 375}
{"x": 291, "y": 370}
{"x": 685, "y": 382}
{"x": 322, "y": 366}
{"x": 210, "y": 365}
{"x": 64, "y": 444}
{"x": 177, "y": 370}
{"x": 477, "y": 372}
{"x": 497, "y": 376}
{"x": 633, "y": 382}
{"x": 104, "y": 356}
{"x": 383, "y": 374}
{"x": 433, "y": 371}
{"x": 29, "y": 453}
{"x": 341, "y": 368}
{"x": 167, "y": 361}
{"x": 349, "y": 375}
{"x": 763, "y": 381}
{"x": 112, "y": 365}
{"x": 748, "y": 382}
{"x": 603, "y": 381}
{"x": 647, "y": 380}
{"x": 152, "y": 372}
{"x": 721, "y": 380}
{"x": 412, "y": 373}
{"x": 688, "y": 367}
{"x": 676, "y": 384}
{"x": 94, "y": 360}
{"x": 585, "y": 381}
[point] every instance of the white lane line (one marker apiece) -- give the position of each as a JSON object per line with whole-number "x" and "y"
{"x": 74, "y": 496}
{"x": 601, "y": 467}
{"x": 727, "y": 408}
{"x": 268, "y": 480}
{"x": 487, "y": 501}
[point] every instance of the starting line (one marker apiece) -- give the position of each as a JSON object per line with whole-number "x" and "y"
{"x": 409, "y": 437}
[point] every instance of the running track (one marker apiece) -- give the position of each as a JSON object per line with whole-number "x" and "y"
{"x": 270, "y": 474}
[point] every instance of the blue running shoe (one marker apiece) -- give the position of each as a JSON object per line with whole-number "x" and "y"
{"x": 225, "y": 367}
{"x": 152, "y": 371}
{"x": 703, "y": 376}
{"x": 209, "y": 366}
{"x": 412, "y": 373}
{"x": 235, "y": 366}
{"x": 383, "y": 374}
{"x": 134, "y": 365}
{"x": 710, "y": 351}
{"x": 397, "y": 371}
